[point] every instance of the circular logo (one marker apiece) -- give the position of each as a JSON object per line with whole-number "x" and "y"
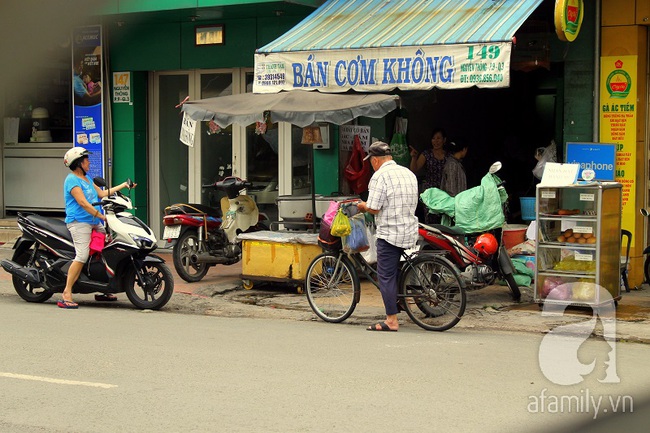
{"x": 568, "y": 19}
{"x": 618, "y": 84}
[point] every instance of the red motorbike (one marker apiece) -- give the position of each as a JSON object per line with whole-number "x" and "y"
{"x": 479, "y": 257}
{"x": 203, "y": 236}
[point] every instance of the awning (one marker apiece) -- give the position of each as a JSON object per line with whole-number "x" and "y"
{"x": 380, "y": 45}
{"x": 300, "y": 108}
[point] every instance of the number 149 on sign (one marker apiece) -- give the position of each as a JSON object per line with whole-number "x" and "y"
{"x": 483, "y": 52}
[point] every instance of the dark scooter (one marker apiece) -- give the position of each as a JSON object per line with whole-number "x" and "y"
{"x": 479, "y": 257}
{"x": 201, "y": 238}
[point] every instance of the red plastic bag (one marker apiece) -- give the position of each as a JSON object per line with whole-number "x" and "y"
{"x": 97, "y": 239}
{"x": 357, "y": 171}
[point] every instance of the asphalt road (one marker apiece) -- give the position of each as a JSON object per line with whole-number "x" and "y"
{"x": 107, "y": 369}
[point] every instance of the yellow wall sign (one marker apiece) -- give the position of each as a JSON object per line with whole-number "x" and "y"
{"x": 618, "y": 84}
{"x": 568, "y": 19}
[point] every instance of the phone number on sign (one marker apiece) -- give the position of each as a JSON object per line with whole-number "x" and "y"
{"x": 271, "y": 77}
{"x": 481, "y": 78}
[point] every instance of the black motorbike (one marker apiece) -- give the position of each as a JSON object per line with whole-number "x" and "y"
{"x": 44, "y": 252}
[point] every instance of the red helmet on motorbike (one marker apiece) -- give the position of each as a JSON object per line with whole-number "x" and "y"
{"x": 486, "y": 244}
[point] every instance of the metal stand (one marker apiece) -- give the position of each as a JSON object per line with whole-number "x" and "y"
{"x": 313, "y": 189}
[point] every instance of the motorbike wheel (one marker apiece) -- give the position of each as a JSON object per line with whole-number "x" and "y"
{"x": 646, "y": 269}
{"x": 188, "y": 244}
{"x": 514, "y": 288}
{"x": 156, "y": 289}
{"x": 26, "y": 291}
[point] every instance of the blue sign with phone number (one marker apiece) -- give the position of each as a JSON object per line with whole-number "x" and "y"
{"x": 599, "y": 157}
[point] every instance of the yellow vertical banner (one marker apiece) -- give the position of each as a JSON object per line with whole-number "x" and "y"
{"x": 618, "y": 93}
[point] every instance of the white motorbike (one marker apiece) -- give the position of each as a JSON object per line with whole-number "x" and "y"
{"x": 44, "y": 252}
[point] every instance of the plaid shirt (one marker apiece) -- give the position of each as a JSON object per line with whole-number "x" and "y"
{"x": 393, "y": 191}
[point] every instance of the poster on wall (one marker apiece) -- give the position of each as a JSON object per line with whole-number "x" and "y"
{"x": 618, "y": 93}
{"x": 347, "y": 133}
{"x": 87, "y": 95}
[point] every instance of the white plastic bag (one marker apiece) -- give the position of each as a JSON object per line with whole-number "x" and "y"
{"x": 370, "y": 255}
{"x": 548, "y": 154}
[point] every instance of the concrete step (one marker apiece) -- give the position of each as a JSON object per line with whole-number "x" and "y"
{"x": 9, "y": 232}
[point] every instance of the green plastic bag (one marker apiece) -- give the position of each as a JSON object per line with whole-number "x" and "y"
{"x": 341, "y": 225}
{"x": 400, "y": 150}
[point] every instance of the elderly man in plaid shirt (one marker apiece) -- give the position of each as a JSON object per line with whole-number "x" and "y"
{"x": 393, "y": 196}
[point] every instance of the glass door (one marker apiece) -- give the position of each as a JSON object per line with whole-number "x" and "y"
{"x": 179, "y": 171}
{"x": 173, "y": 156}
{"x": 216, "y": 148}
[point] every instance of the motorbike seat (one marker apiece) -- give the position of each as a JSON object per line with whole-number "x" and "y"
{"x": 453, "y": 231}
{"x": 194, "y": 208}
{"x": 53, "y": 225}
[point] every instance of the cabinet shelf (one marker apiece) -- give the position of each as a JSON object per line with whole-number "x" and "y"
{"x": 574, "y": 246}
{"x": 576, "y": 274}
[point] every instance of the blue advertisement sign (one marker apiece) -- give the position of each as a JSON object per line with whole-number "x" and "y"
{"x": 599, "y": 157}
{"x": 87, "y": 95}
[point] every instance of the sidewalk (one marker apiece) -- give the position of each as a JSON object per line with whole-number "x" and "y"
{"x": 489, "y": 308}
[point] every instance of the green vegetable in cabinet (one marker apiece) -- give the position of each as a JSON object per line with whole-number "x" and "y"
{"x": 583, "y": 291}
{"x": 571, "y": 264}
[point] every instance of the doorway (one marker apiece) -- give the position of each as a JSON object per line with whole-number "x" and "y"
{"x": 179, "y": 171}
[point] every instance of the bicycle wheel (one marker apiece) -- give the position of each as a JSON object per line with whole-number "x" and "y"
{"x": 332, "y": 287}
{"x": 432, "y": 292}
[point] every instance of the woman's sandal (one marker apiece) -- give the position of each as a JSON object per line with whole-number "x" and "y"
{"x": 67, "y": 304}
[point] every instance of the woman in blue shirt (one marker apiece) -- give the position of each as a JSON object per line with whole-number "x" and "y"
{"x": 81, "y": 217}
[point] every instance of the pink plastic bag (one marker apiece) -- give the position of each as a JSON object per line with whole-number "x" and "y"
{"x": 330, "y": 213}
{"x": 97, "y": 239}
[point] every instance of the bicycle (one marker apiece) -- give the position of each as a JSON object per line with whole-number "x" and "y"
{"x": 430, "y": 288}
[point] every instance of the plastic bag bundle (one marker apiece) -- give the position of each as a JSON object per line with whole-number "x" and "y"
{"x": 544, "y": 155}
{"x": 357, "y": 240}
{"x": 97, "y": 240}
{"x": 326, "y": 240}
{"x": 399, "y": 148}
{"x": 358, "y": 171}
{"x": 370, "y": 255}
{"x": 330, "y": 213}
{"x": 341, "y": 225}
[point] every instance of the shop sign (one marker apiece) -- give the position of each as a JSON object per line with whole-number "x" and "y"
{"x": 87, "y": 95}
{"x": 618, "y": 120}
{"x": 568, "y": 19}
{"x": 347, "y": 133}
{"x": 599, "y": 157}
{"x": 122, "y": 87}
{"x": 188, "y": 129}
{"x": 383, "y": 69}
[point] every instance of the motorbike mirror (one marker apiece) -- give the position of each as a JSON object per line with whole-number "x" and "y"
{"x": 645, "y": 212}
{"x": 99, "y": 181}
{"x": 495, "y": 167}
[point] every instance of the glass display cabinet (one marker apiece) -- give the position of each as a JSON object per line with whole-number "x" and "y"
{"x": 578, "y": 244}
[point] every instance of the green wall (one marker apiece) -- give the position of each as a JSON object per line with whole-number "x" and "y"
{"x": 138, "y": 45}
{"x": 130, "y": 142}
{"x": 578, "y": 85}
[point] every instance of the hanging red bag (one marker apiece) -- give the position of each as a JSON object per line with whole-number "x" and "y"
{"x": 357, "y": 171}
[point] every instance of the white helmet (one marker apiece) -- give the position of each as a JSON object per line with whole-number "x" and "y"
{"x": 74, "y": 154}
